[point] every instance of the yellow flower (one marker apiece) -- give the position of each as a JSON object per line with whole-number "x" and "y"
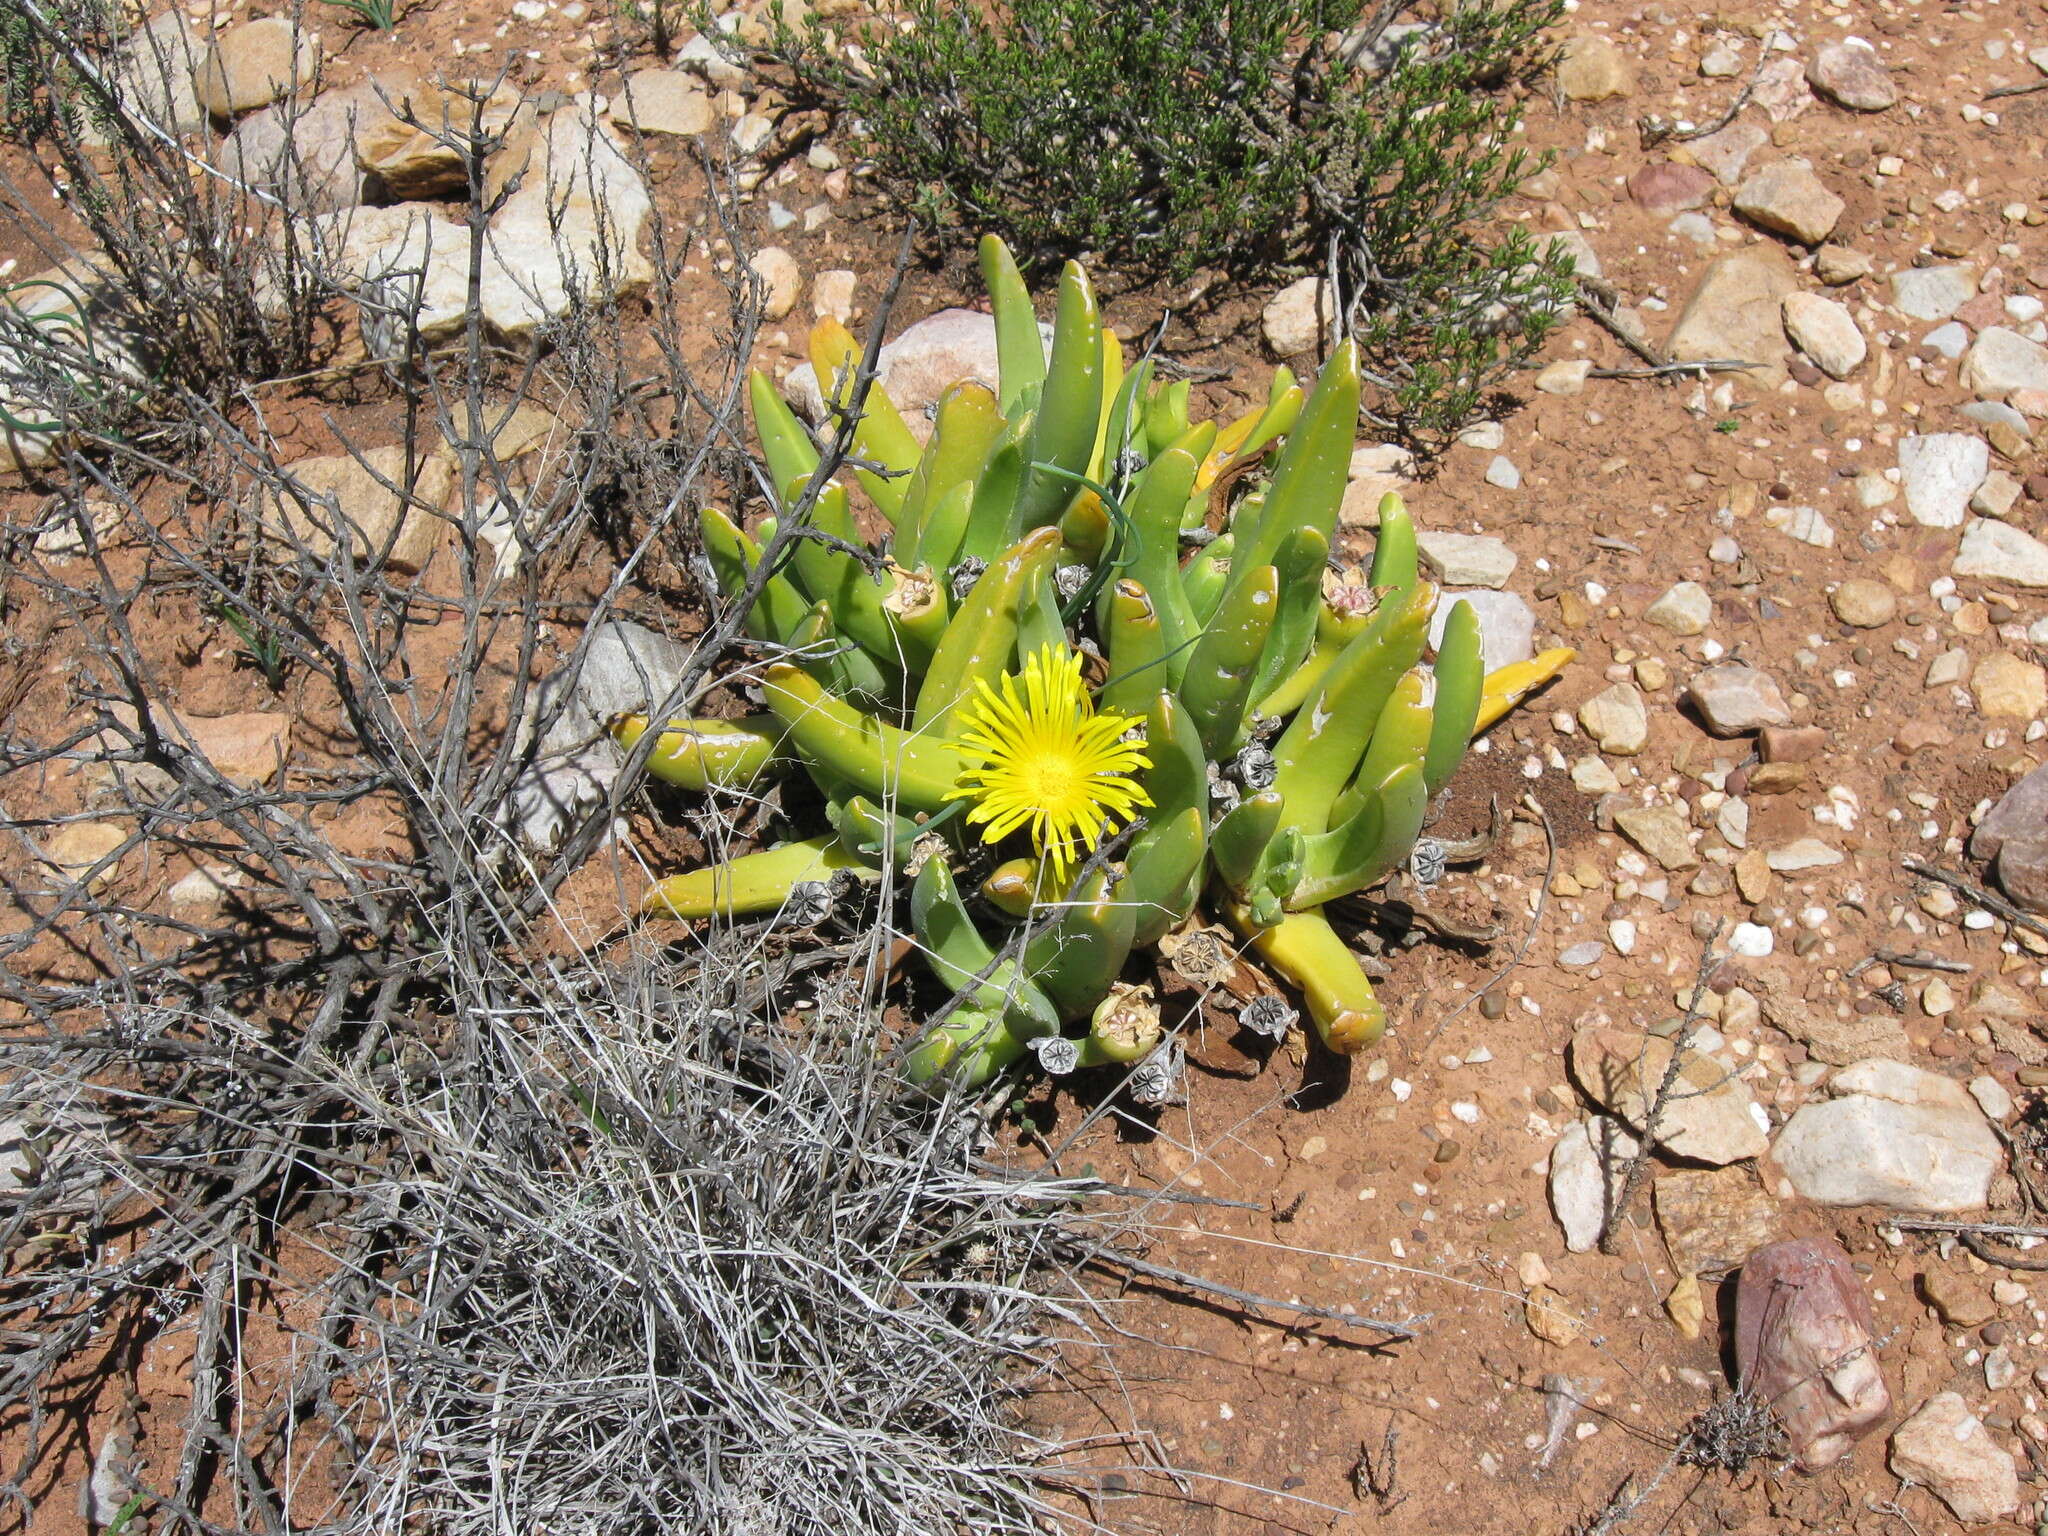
{"x": 1041, "y": 757}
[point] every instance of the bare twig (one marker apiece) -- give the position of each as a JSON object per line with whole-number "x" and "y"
{"x": 1116, "y": 1258}
{"x": 1982, "y": 1228}
{"x": 1600, "y": 300}
{"x": 1665, "y": 370}
{"x": 1660, "y": 1101}
{"x": 1378, "y": 1474}
{"x": 1977, "y": 1237}
{"x": 1920, "y": 959}
{"x": 1977, "y": 893}
{"x": 1734, "y": 107}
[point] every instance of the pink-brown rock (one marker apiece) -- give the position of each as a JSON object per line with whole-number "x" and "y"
{"x": 2014, "y": 837}
{"x": 1982, "y": 312}
{"x": 1788, "y": 199}
{"x": 1851, "y": 74}
{"x": 1781, "y": 89}
{"x": 1805, "y": 1344}
{"x": 1709, "y": 1118}
{"x": 1918, "y": 736}
{"x": 2021, "y": 811}
{"x": 255, "y": 63}
{"x": 1791, "y": 743}
{"x": 308, "y": 152}
{"x": 1667, "y": 188}
{"x": 1737, "y": 311}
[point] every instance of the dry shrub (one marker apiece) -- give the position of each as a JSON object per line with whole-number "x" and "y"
{"x": 470, "y": 1220}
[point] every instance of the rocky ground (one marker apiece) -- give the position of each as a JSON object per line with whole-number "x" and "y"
{"x": 1805, "y": 597}
{"x": 1810, "y": 606}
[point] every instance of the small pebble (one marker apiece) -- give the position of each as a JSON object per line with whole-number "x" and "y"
{"x": 1751, "y": 940}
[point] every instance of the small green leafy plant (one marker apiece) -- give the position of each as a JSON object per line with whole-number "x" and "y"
{"x": 380, "y": 14}
{"x": 261, "y": 648}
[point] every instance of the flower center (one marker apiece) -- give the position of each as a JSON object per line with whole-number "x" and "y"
{"x": 1039, "y": 757}
{"x": 1052, "y": 780}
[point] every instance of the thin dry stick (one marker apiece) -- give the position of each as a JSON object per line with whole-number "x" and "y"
{"x": 1628, "y": 1499}
{"x": 1977, "y": 893}
{"x": 1734, "y": 107}
{"x": 1920, "y": 959}
{"x": 1665, "y": 370}
{"x": 1976, "y": 1235}
{"x": 1991, "y": 1228}
{"x": 793, "y": 525}
{"x": 1600, "y": 299}
{"x": 1114, "y": 1258}
{"x": 1380, "y": 1475}
{"x": 1667, "y": 1088}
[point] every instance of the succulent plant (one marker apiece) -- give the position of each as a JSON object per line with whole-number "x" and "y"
{"x": 1262, "y": 734}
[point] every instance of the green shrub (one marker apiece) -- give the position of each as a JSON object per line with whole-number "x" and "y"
{"x": 1240, "y": 135}
{"x": 1417, "y": 157}
{"x": 35, "y": 101}
{"x": 1136, "y": 131}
